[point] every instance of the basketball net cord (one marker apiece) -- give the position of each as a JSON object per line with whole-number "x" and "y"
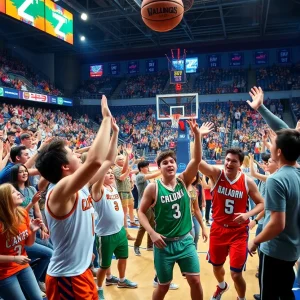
{"x": 175, "y": 120}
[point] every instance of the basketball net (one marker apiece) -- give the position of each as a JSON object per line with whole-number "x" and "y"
{"x": 175, "y": 120}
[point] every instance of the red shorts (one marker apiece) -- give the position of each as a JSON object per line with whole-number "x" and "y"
{"x": 228, "y": 240}
{"x": 78, "y": 287}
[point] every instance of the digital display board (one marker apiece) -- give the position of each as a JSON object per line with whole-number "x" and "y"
{"x": 191, "y": 64}
{"x": 2, "y": 6}
{"x": 30, "y": 96}
{"x": 236, "y": 59}
{"x": 151, "y": 66}
{"x": 177, "y": 76}
{"x": 114, "y": 68}
{"x": 261, "y": 57}
{"x": 96, "y": 71}
{"x": 133, "y": 67}
{"x": 178, "y": 64}
{"x": 59, "y": 22}
{"x": 28, "y": 11}
{"x": 214, "y": 61}
{"x": 284, "y": 56}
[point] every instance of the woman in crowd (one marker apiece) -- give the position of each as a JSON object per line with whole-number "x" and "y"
{"x": 16, "y": 232}
{"x": 37, "y": 251}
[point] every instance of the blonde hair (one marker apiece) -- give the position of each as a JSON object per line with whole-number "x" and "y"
{"x": 10, "y": 216}
{"x": 246, "y": 162}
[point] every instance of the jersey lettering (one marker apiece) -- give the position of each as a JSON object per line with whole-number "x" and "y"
{"x": 172, "y": 197}
{"x": 17, "y": 239}
{"x": 87, "y": 203}
{"x": 230, "y": 192}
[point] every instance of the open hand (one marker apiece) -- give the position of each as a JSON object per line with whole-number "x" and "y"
{"x": 36, "y": 198}
{"x": 114, "y": 126}
{"x": 257, "y": 96}
{"x": 104, "y": 107}
{"x": 240, "y": 218}
{"x": 206, "y": 128}
{"x": 158, "y": 240}
{"x": 36, "y": 224}
{"x": 252, "y": 248}
{"x": 204, "y": 235}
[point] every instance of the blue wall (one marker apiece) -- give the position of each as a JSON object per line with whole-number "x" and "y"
{"x": 202, "y": 61}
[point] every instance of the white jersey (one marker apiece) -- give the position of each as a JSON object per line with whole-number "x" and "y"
{"x": 72, "y": 236}
{"x": 110, "y": 212}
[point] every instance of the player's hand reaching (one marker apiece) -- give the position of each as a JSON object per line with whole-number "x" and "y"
{"x": 252, "y": 248}
{"x": 104, "y": 108}
{"x": 206, "y": 128}
{"x": 204, "y": 235}
{"x": 158, "y": 240}
{"x": 36, "y": 224}
{"x": 257, "y": 96}
{"x": 241, "y": 218}
{"x": 252, "y": 224}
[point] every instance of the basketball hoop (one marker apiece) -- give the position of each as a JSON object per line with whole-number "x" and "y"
{"x": 175, "y": 120}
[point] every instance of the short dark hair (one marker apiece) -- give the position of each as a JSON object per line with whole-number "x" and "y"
{"x": 265, "y": 157}
{"x": 236, "y": 151}
{"x": 288, "y": 141}
{"x": 164, "y": 154}
{"x": 16, "y": 151}
{"x": 143, "y": 164}
{"x": 50, "y": 160}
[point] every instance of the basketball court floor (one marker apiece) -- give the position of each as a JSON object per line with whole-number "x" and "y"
{"x": 140, "y": 269}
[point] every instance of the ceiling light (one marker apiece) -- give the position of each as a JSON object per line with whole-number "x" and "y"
{"x": 82, "y": 38}
{"x": 84, "y": 16}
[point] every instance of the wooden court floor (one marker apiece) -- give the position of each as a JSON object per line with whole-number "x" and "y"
{"x": 140, "y": 270}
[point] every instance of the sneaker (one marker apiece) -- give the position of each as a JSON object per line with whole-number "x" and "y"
{"x": 42, "y": 286}
{"x": 127, "y": 284}
{"x": 150, "y": 249}
{"x": 133, "y": 224}
{"x": 113, "y": 280}
{"x": 173, "y": 286}
{"x": 101, "y": 295}
{"x": 219, "y": 292}
{"x": 207, "y": 223}
{"x": 137, "y": 251}
{"x": 43, "y": 294}
{"x": 256, "y": 296}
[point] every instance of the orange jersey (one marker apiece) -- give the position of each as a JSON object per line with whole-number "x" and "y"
{"x": 229, "y": 198}
{"x": 14, "y": 246}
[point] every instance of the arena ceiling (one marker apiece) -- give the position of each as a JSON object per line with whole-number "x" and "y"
{"x": 115, "y": 28}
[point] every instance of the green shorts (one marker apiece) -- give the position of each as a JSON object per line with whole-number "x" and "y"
{"x": 116, "y": 244}
{"x": 183, "y": 252}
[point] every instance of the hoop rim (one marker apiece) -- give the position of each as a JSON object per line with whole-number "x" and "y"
{"x": 175, "y": 116}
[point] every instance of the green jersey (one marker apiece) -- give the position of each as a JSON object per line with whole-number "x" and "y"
{"x": 172, "y": 210}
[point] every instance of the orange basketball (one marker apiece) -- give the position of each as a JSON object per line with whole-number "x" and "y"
{"x": 162, "y": 15}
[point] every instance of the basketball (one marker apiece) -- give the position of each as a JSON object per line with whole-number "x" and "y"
{"x": 162, "y": 15}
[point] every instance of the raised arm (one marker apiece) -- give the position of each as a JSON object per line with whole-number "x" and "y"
{"x": 257, "y": 96}
{"x": 69, "y": 185}
{"x": 192, "y": 168}
{"x": 255, "y": 173}
{"x": 82, "y": 150}
{"x": 97, "y": 188}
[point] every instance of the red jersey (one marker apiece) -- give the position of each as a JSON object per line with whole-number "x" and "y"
{"x": 14, "y": 247}
{"x": 229, "y": 197}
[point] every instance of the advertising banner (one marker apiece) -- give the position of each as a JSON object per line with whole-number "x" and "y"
{"x": 2, "y": 6}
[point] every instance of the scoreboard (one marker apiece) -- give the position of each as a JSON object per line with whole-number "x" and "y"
{"x": 44, "y": 15}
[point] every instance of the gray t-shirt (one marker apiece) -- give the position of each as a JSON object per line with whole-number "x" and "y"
{"x": 27, "y": 195}
{"x": 262, "y": 190}
{"x": 141, "y": 184}
{"x": 283, "y": 195}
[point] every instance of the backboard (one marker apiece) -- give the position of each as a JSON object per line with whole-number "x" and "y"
{"x": 186, "y": 105}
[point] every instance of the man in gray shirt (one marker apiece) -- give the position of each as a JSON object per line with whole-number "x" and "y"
{"x": 142, "y": 180}
{"x": 280, "y": 238}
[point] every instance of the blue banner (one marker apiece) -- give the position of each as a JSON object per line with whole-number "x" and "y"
{"x": 236, "y": 59}
{"x": 30, "y": 96}
{"x": 133, "y": 67}
{"x": 114, "y": 68}
{"x": 151, "y": 66}
{"x": 261, "y": 57}
{"x": 284, "y": 56}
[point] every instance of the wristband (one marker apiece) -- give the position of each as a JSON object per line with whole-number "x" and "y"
{"x": 256, "y": 221}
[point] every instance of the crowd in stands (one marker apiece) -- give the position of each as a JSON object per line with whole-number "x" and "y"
{"x": 14, "y": 74}
{"x": 43, "y": 123}
{"x": 92, "y": 88}
{"x": 144, "y": 86}
{"x": 295, "y": 105}
{"x": 221, "y": 81}
{"x": 279, "y": 78}
{"x": 249, "y": 126}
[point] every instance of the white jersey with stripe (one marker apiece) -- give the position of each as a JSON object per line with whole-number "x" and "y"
{"x": 72, "y": 236}
{"x": 110, "y": 212}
